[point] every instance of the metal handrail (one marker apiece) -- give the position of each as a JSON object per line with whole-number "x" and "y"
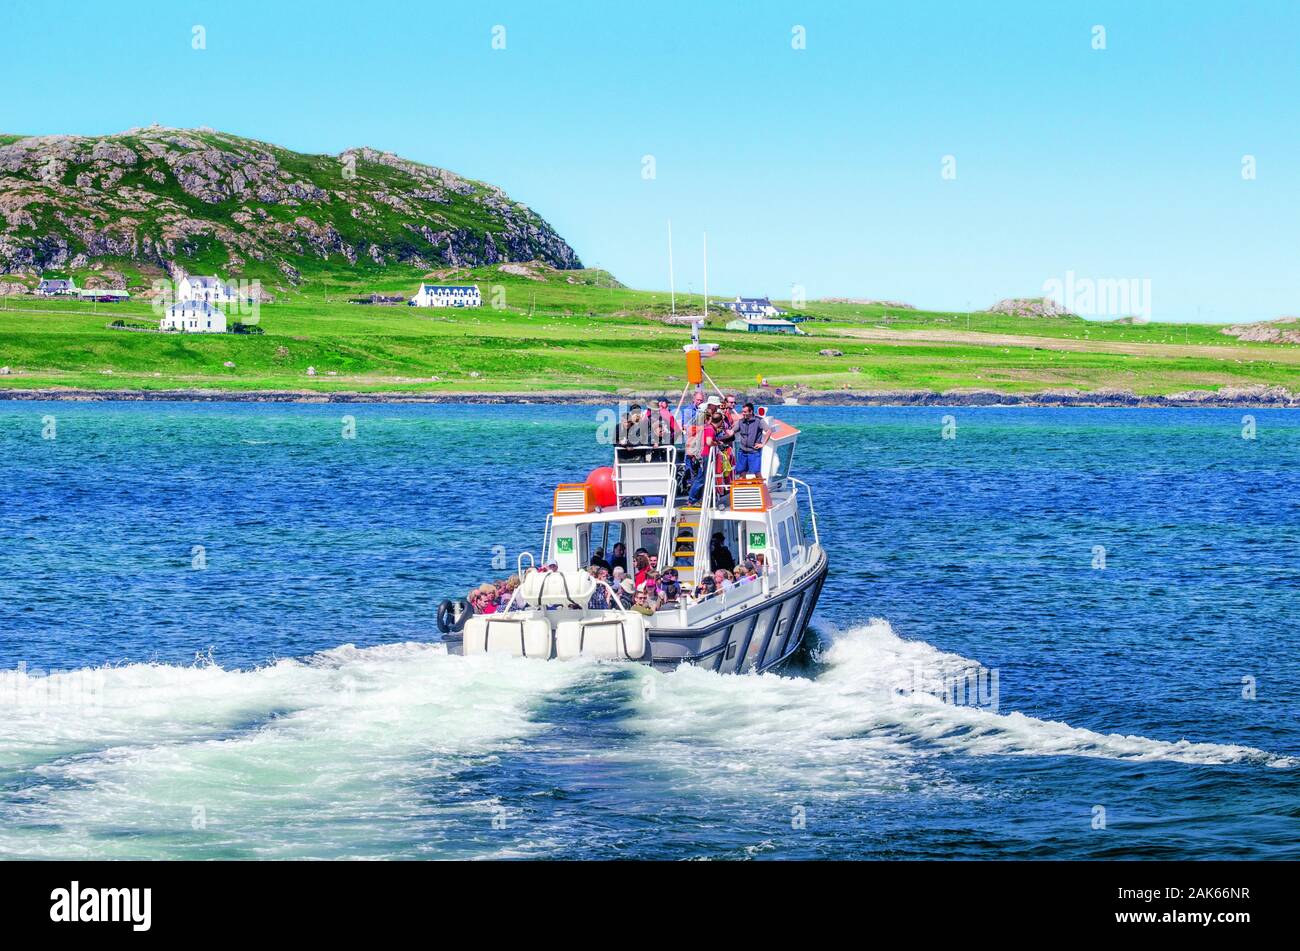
{"x": 668, "y": 535}
{"x": 670, "y": 462}
{"x": 705, "y": 528}
{"x": 812, "y": 511}
{"x": 712, "y": 600}
{"x": 615, "y": 602}
{"x": 546, "y": 538}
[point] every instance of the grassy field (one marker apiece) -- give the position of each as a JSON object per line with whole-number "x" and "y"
{"x": 580, "y": 330}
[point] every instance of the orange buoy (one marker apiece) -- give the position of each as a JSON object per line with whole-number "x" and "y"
{"x": 694, "y": 368}
{"x": 602, "y": 486}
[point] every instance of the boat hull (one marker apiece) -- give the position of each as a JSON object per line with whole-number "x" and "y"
{"x": 759, "y": 638}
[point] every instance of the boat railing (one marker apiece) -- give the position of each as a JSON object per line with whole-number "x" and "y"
{"x": 812, "y": 511}
{"x": 613, "y": 601}
{"x": 707, "y": 502}
{"x": 546, "y": 536}
{"x": 725, "y": 599}
{"x": 645, "y": 472}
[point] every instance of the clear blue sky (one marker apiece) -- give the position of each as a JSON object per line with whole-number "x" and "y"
{"x": 818, "y": 167}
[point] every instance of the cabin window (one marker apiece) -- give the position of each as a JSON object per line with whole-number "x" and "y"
{"x": 649, "y": 539}
{"x": 783, "y": 453}
{"x": 796, "y": 537}
{"x": 783, "y": 540}
{"x": 606, "y": 535}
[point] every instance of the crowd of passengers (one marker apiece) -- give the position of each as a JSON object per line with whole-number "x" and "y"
{"x": 639, "y": 587}
{"x": 704, "y": 424}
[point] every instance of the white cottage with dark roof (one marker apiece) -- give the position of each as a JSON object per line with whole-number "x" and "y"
{"x": 440, "y": 295}
{"x": 55, "y": 288}
{"x": 753, "y": 307}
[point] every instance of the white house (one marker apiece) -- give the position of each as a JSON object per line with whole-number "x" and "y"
{"x": 753, "y": 307}
{"x": 195, "y": 317}
{"x": 56, "y": 288}
{"x": 211, "y": 289}
{"x": 437, "y": 295}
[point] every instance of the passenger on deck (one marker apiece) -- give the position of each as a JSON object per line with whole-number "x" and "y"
{"x": 600, "y": 597}
{"x": 691, "y": 411}
{"x": 724, "y": 579}
{"x": 619, "y": 557}
{"x": 719, "y": 554}
{"x": 642, "y": 564}
{"x": 634, "y": 430}
{"x": 705, "y": 589}
{"x": 666, "y": 417}
{"x": 506, "y": 591}
{"x": 750, "y": 434}
{"x": 704, "y": 435}
{"x": 627, "y": 591}
{"x": 641, "y": 603}
{"x": 617, "y": 575}
{"x": 483, "y": 599}
{"x": 723, "y": 439}
{"x": 598, "y": 559}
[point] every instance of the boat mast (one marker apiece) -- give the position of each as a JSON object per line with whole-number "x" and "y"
{"x": 672, "y": 287}
{"x": 695, "y": 324}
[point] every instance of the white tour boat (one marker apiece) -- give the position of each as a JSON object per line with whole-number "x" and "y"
{"x": 558, "y": 612}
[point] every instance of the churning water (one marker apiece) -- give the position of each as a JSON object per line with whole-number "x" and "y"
{"x": 1064, "y": 633}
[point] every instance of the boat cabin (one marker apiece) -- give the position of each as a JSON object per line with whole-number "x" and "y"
{"x": 650, "y": 511}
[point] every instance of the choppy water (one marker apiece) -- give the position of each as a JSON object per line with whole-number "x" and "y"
{"x": 289, "y": 699}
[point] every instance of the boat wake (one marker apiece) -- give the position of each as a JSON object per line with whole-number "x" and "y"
{"x": 878, "y": 706}
{"x": 396, "y": 750}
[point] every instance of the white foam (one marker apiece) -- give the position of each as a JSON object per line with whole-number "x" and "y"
{"x": 363, "y": 752}
{"x": 331, "y": 755}
{"x": 866, "y": 721}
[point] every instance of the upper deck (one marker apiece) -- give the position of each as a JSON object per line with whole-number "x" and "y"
{"x": 644, "y": 502}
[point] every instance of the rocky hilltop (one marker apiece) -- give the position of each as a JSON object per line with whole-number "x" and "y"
{"x": 1280, "y": 330}
{"x": 1028, "y": 307}
{"x": 195, "y": 199}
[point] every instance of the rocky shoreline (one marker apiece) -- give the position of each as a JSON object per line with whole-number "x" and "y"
{"x": 1250, "y": 397}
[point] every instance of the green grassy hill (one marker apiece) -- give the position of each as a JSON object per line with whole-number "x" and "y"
{"x": 316, "y": 230}
{"x": 566, "y": 330}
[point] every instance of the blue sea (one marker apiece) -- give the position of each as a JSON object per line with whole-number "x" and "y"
{"x": 1061, "y": 633}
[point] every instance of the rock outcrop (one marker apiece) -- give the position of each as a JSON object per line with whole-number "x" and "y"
{"x": 1281, "y": 330}
{"x": 174, "y": 198}
{"x": 1028, "y": 307}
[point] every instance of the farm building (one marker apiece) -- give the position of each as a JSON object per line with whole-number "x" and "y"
{"x": 763, "y": 325}
{"x": 104, "y": 295}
